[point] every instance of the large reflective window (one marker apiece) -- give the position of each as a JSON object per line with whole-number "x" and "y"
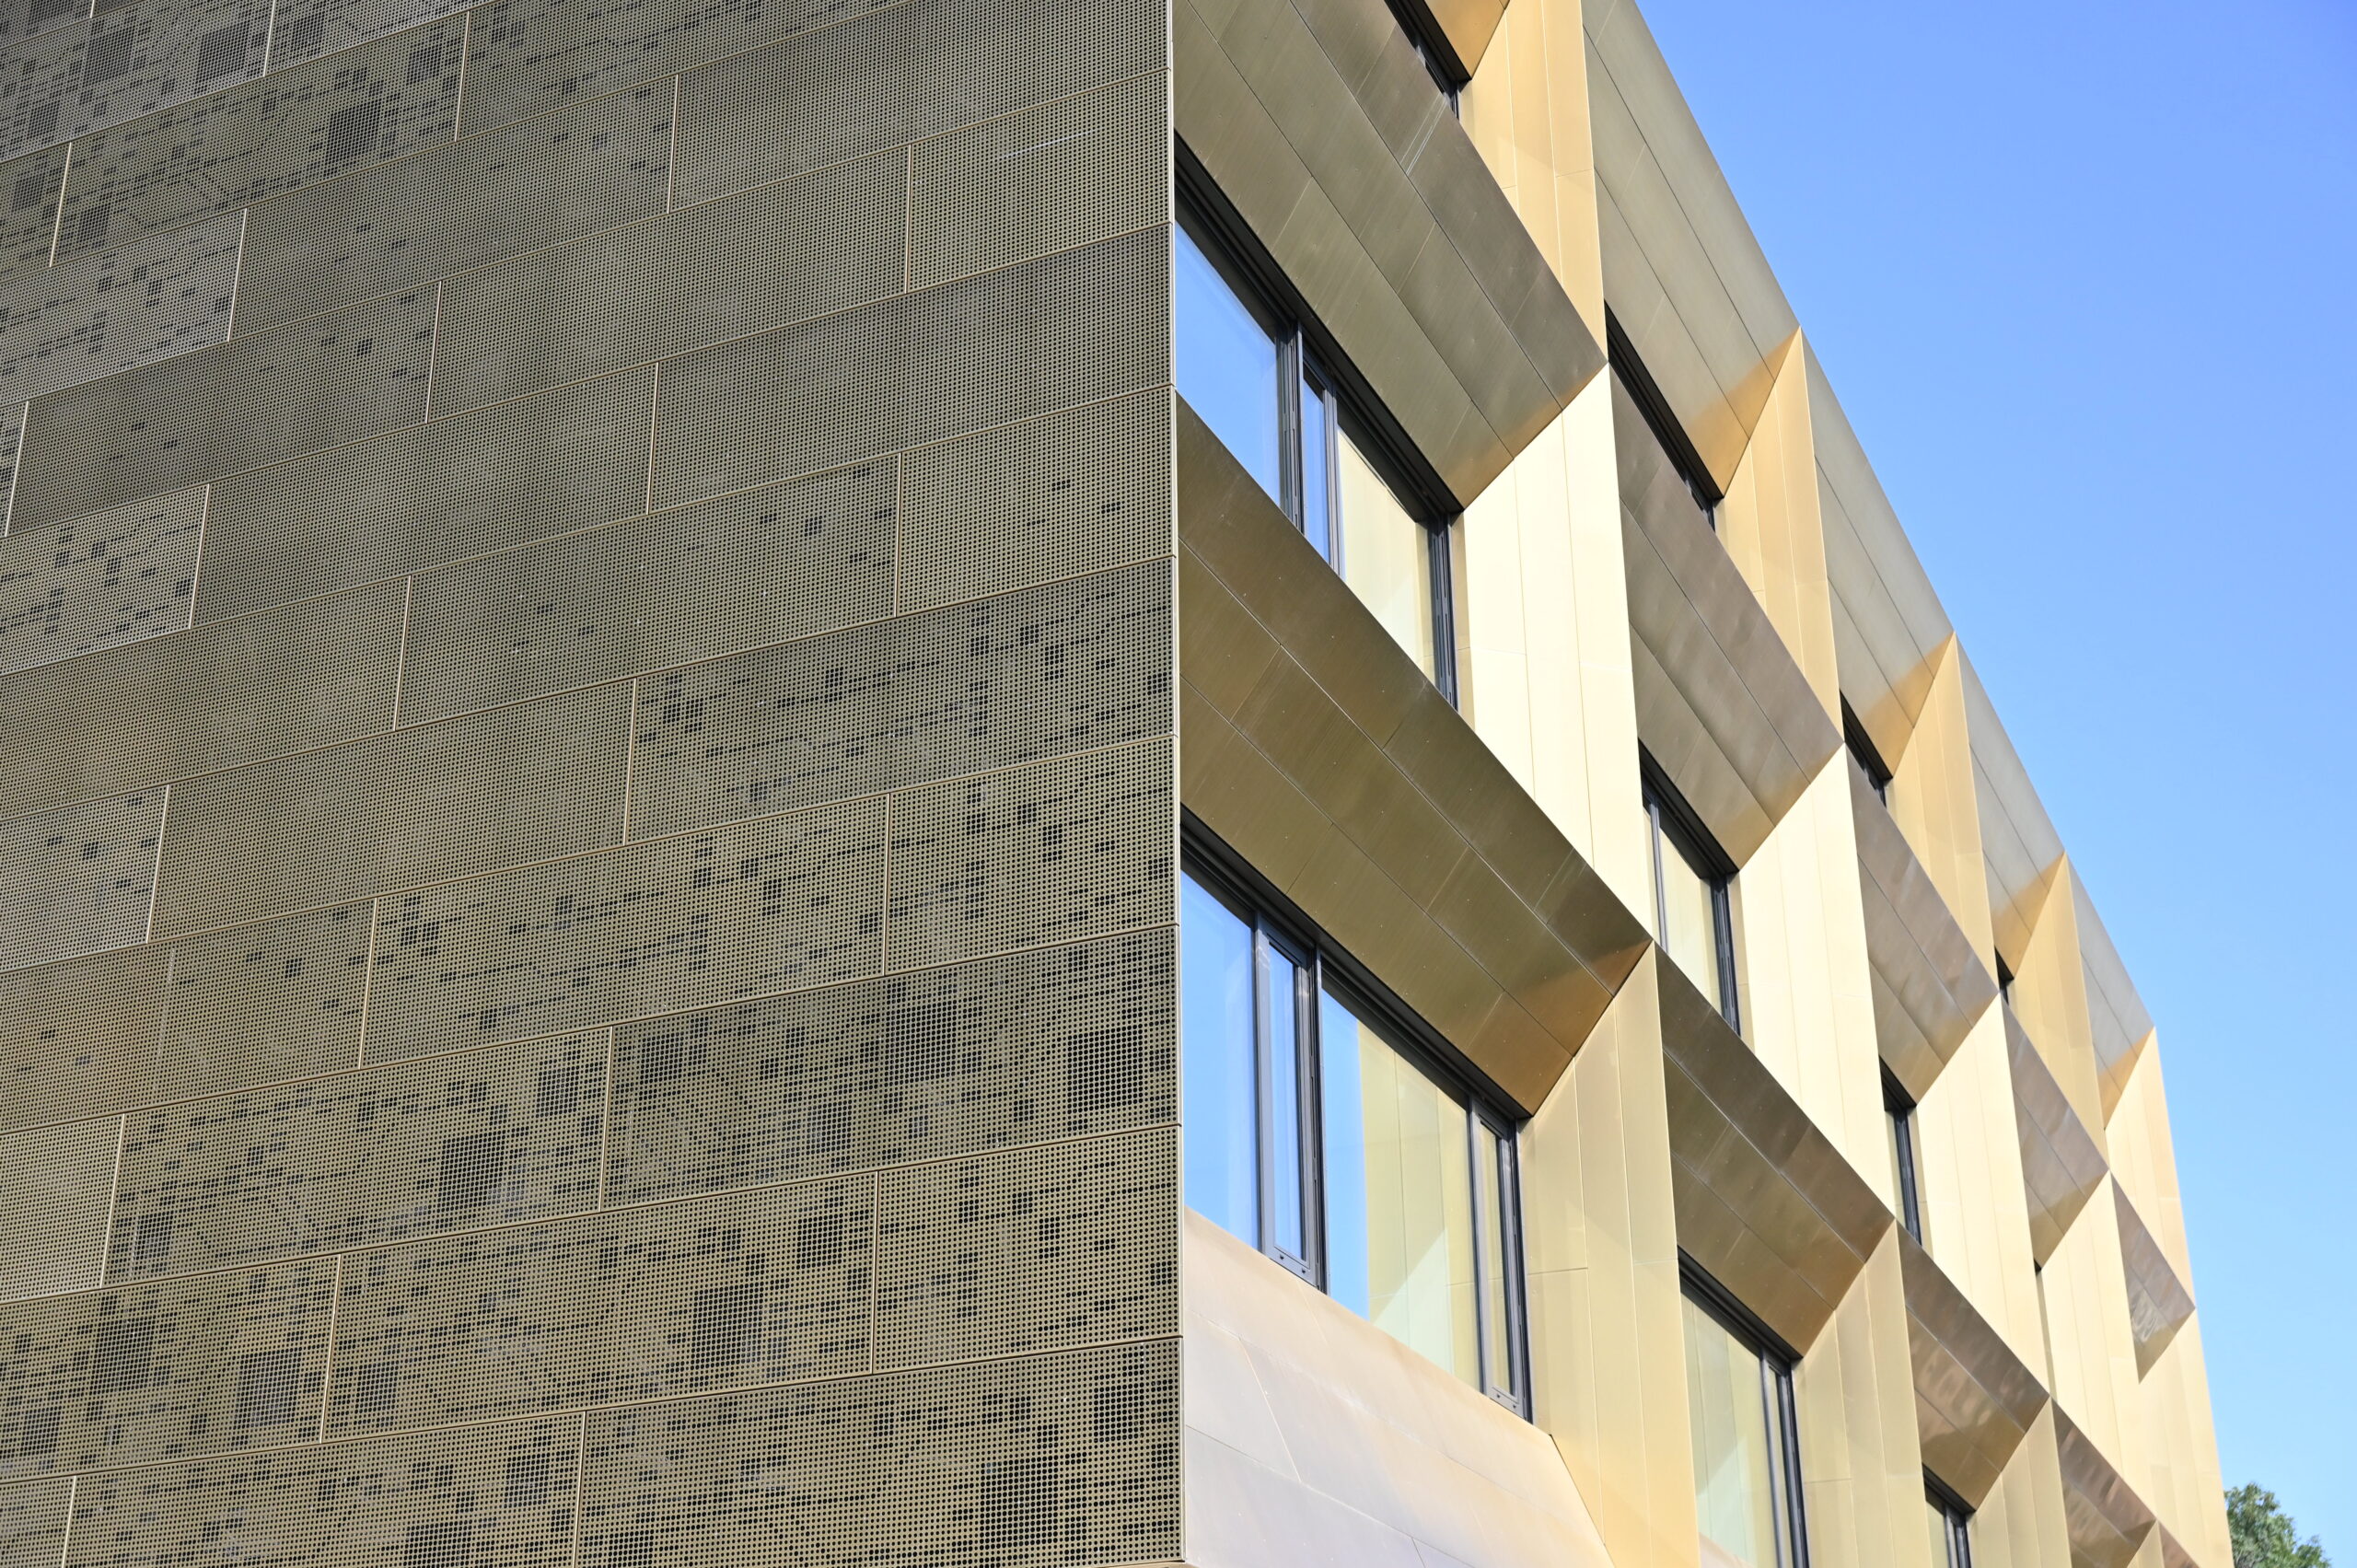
{"x": 1692, "y": 911}
{"x": 1227, "y": 366}
{"x": 1387, "y": 555}
{"x": 1745, "y": 1481}
{"x": 1312, "y": 1134}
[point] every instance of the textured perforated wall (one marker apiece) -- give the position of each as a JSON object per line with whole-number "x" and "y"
{"x": 586, "y": 829}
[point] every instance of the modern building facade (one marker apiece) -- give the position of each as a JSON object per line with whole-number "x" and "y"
{"x": 997, "y": 784}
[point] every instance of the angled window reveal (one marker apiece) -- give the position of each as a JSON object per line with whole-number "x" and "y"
{"x": 1693, "y": 902}
{"x": 1862, "y": 749}
{"x": 1246, "y": 365}
{"x": 1667, "y": 433}
{"x": 1906, "y": 1174}
{"x": 1745, "y": 1434}
{"x": 1320, "y": 1132}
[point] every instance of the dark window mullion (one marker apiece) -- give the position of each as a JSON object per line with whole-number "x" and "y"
{"x": 1290, "y": 415}
{"x": 1264, "y": 1087}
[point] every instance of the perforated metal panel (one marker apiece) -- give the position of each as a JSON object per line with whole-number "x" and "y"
{"x": 129, "y": 59}
{"x": 647, "y": 929}
{"x": 219, "y": 411}
{"x": 1066, "y": 668}
{"x": 156, "y": 297}
{"x": 718, "y": 1293}
{"x": 78, "y": 878}
{"x": 12, "y": 432}
{"x": 1061, "y": 1459}
{"x": 656, "y": 590}
{"x": 264, "y": 686}
{"x": 32, "y": 1522}
{"x": 442, "y": 211}
{"x": 1071, "y": 1244}
{"x": 418, "y": 498}
{"x": 77, "y": 1038}
{"x": 672, "y": 284}
{"x": 265, "y": 1004}
{"x": 150, "y": 1372}
{"x": 398, "y": 811}
{"x": 291, "y": 128}
{"x": 487, "y": 1138}
{"x": 54, "y": 1187}
{"x": 1008, "y": 346}
{"x": 894, "y": 77}
{"x": 526, "y": 56}
{"x": 98, "y": 581}
{"x": 1042, "y": 1045}
{"x": 23, "y": 19}
{"x": 499, "y": 1497}
{"x": 304, "y": 29}
{"x": 1044, "y": 854}
{"x": 1076, "y": 492}
{"x": 1079, "y": 169}
{"x": 29, "y": 188}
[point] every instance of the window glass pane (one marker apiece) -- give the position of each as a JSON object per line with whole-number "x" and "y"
{"x": 1284, "y": 1099}
{"x": 1734, "y": 1468}
{"x": 1226, "y": 366}
{"x": 1690, "y": 917}
{"x": 1397, "y": 1170}
{"x": 1489, "y": 1170}
{"x": 1216, "y": 1074}
{"x": 1941, "y": 1557}
{"x": 1387, "y": 555}
{"x": 1317, "y": 457}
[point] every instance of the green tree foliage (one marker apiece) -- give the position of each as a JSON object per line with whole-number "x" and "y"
{"x": 2264, "y": 1536}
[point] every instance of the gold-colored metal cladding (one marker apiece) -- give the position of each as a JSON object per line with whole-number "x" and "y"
{"x": 1975, "y": 1400}
{"x": 2061, "y": 1166}
{"x": 2158, "y": 1303}
{"x": 2107, "y": 1521}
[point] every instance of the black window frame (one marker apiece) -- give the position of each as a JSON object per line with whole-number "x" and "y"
{"x": 1957, "y": 1515}
{"x": 1864, "y": 752}
{"x": 1778, "y": 1362}
{"x": 1646, "y": 393}
{"x": 1900, "y": 1106}
{"x": 1321, "y": 965}
{"x": 1306, "y": 354}
{"x": 1677, "y": 826}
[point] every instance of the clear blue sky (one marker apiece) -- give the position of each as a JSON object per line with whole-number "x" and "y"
{"x": 2084, "y": 275}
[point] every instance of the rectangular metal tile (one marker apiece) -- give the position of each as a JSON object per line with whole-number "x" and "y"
{"x": 164, "y": 1370}
{"x": 436, "y": 493}
{"x": 304, "y": 29}
{"x": 34, "y": 1514}
{"x": 158, "y": 295}
{"x": 77, "y": 1038}
{"x": 98, "y": 581}
{"x": 1079, "y": 169}
{"x": 1050, "y": 1044}
{"x": 54, "y": 1187}
{"x": 291, "y": 128}
{"x": 223, "y": 410}
{"x": 898, "y": 76}
{"x": 78, "y": 878}
{"x": 1070, "y": 666}
{"x": 127, "y": 61}
{"x": 526, "y": 57}
{"x": 656, "y": 590}
{"x": 724, "y": 270}
{"x": 404, "y": 224}
{"x": 692, "y": 1297}
{"x": 265, "y": 1004}
{"x": 263, "y": 686}
{"x": 651, "y": 928}
{"x": 1037, "y": 1249}
{"x": 1023, "y": 1464}
{"x": 500, "y": 1495}
{"x": 22, "y": 20}
{"x": 1049, "y": 852}
{"x": 12, "y": 433}
{"x": 1008, "y": 346}
{"x": 1076, "y": 492}
{"x": 360, "y": 1159}
{"x": 398, "y": 811}
{"x": 30, "y": 188}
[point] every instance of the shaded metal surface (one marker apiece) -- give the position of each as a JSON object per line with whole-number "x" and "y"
{"x": 1317, "y": 750}
{"x": 2061, "y": 1166}
{"x": 2107, "y": 1521}
{"x": 1721, "y": 703}
{"x": 1930, "y": 986}
{"x": 2158, "y": 1302}
{"x": 1973, "y": 1397}
{"x": 1764, "y": 1201}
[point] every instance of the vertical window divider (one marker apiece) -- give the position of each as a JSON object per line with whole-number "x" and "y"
{"x": 1264, "y": 1091}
